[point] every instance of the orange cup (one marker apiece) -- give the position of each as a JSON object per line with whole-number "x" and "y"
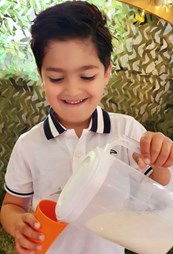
{"x": 49, "y": 226}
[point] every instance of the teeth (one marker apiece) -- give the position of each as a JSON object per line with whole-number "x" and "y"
{"x": 73, "y": 102}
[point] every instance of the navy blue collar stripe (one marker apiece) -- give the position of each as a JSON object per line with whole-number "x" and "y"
{"x": 53, "y": 128}
{"x": 94, "y": 121}
{"x": 47, "y": 130}
{"x": 107, "y": 122}
{"x": 59, "y": 128}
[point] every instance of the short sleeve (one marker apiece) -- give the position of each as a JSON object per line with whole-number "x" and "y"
{"x": 18, "y": 177}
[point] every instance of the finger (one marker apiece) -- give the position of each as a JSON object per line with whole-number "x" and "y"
{"x": 31, "y": 220}
{"x": 20, "y": 250}
{"x": 169, "y": 161}
{"x": 161, "y": 156}
{"x": 156, "y": 150}
{"x": 24, "y": 245}
{"x": 29, "y": 231}
{"x": 139, "y": 160}
{"x": 145, "y": 143}
{"x": 32, "y": 234}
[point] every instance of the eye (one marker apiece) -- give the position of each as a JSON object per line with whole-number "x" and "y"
{"x": 56, "y": 80}
{"x": 88, "y": 78}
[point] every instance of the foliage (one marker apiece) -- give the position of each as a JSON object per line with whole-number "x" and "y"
{"x": 16, "y": 17}
{"x": 15, "y": 53}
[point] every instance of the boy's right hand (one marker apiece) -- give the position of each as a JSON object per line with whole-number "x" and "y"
{"x": 27, "y": 237}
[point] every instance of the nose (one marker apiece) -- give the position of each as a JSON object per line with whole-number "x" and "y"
{"x": 72, "y": 86}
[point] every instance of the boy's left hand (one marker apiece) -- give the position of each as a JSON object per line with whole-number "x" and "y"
{"x": 156, "y": 150}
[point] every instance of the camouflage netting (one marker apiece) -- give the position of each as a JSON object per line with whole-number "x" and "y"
{"x": 141, "y": 86}
{"x": 22, "y": 105}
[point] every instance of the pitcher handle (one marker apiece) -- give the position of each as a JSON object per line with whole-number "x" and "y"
{"x": 125, "y": 141}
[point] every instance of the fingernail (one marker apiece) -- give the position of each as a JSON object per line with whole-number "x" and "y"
{"x": 41, "y": 237}
{"x": 38, "y": 247}
{"x": 36, "y": 225}
{"x": 147, "y": 161}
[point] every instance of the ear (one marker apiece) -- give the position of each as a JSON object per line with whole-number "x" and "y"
{"x": 108, "y": 74}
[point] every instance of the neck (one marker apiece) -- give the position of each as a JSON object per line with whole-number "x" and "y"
{"x": 78, "y": 132}
{"x": 77, "y": 127}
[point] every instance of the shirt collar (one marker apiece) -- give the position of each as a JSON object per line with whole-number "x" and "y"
{"x": 100, "y": 123}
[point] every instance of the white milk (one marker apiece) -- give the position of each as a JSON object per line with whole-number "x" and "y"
{"x": 143, "y": 232}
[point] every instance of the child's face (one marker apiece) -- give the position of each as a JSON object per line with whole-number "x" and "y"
{"x": 74, "y": 80}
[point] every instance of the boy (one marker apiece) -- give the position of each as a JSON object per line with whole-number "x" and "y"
{"x": 72, "y": 47}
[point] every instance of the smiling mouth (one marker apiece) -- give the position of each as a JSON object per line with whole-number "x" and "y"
{"x": 76, "y": 102}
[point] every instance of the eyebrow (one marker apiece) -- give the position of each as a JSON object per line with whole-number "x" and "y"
{"x": 82, "y": 68}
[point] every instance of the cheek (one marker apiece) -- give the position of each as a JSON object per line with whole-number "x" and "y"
{"x": 47, "y": 91}
{"x": 98, "y": 88}
{"x": 50, "y": 88}
{"x": 97, "y": 94}
{"x": 50, "y": 93}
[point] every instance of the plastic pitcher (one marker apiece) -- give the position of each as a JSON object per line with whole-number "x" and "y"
{"x": 119, "y": 203}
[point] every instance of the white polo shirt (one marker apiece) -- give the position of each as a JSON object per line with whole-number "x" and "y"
{"x": 44, "y": 158}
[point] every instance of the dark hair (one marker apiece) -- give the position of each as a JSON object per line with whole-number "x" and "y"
{"x": 71, "y": 20}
